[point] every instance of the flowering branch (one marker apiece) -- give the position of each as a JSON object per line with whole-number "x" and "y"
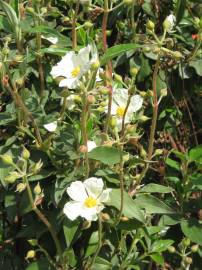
{"x": 74, "y": 36}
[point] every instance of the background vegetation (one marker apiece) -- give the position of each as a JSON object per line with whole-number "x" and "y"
{"x": 153, "y": 165}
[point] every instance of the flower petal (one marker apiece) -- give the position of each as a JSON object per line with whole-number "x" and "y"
{"x": 69, "y": 83}
{"x": 94, "y": 186}
{"x": 104, "y": 197}
{"x": 120, "y": 96}
{"x": 51, "y": 127}
{"x": 72, "y": 209}
{"x": 90, "y": 213}
{"x": 77, "y": 191}
{"x": 91, "y": 145}
{"x": 135, "y": 104}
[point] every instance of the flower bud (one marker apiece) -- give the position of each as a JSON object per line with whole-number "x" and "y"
{"x": 158, "y": 152}
{"x": 177, "y": 55}
{"x": 30, "y": 254}
{"x": 130, "y": 128}
{"x": 143, "y": 118}
{"x": 105, "y": 216}
{"x": 30, "y": 10}
{"x": 86, "y": 224}
{"x": 5, "y": 51}
{"x": 95, "y": 65}
{"x": 88, "y": 24}
{"x": 7, "y": 159}
{"x": 25, "y": 153}
{"x": 77, "y": 98}
{"x": 11, "y": 178}
{"x": 171, "y": 249}
{"x": 143, "y": 93}
{"x": 37, "y": 167}
{"x": 188, "y": 260}
{"x": 134, "y": 71}
{"x": 186, "y": 242}
{"x": 194, "y": 248}
{"x": 108, "y": 33}
{"x": 164, "y": 92}
{"x": 150, "y": 93}
{"x": 156, "y": 50}
{"x": 91, "y": 99}
{"x": 143, "y": 153}
{"x": 100, "y": 109}
{"x": 5, "y": 80}
{"x": 83, "y": 149}
{"x": 32, "y": 242}
{"x": 150, "y": 25}
{"x": 44, "y": 10}
{"x": 37, "y": 189}
{"x": 118, "y": 78}
{"x": 103, "y": 103}
{"x": 20, "y": 187}
{"x": 146, "y": 49}
{"x": 124, "y": 218}
{"x": 113, "y": 122}
{"x": 104, "y": 90}
{"x": 128, "y": 2}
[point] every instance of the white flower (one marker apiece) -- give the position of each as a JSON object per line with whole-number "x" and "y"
{"x": 91, "y": 145}
{"x": 169, "y": 23}
{"x": 52, "y": 40}
{"x": 119, "y": 103}
{"x": 73, "y": 66}
{"x": 51, "y": 127}
{"x": 88, "y": 198}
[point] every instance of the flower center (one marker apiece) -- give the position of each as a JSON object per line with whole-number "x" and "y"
{"x": 120, "y": 111}
{"x": 90, "y": 202}
{"x": 75, "y": 72}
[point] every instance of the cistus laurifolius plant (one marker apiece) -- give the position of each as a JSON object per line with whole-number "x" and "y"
{"x": 100, "y": 134}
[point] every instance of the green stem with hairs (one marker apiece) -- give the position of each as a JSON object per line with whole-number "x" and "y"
{"x": 84, "y": 118}
{"x": 44, "y": 220}
{"x": 99, "y": 242}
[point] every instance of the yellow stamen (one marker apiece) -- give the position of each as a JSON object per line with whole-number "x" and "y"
{"x": 120, "y": 111}
{"x": 90, "y": 202}
{"x": 75, "y": 72}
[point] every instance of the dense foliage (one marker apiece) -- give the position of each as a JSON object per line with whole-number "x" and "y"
{"x": 101, "y": 146}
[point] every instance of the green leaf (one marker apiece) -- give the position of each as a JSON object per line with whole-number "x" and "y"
{"x": 46, "y": 30}
{"x": 173, "y": 164}
{"x": 155, "y": 188}
{"x": 152, "y": 205}
{"x": 158, "y": 258}
{"x": 101, "y": 264}
{"x": 40, "y": 265}
{"x": 130, "y": 209}
{"x": 92, "y": 245}
{"x": 180, "y": 9}
{"x": 105, "y": 154}
{"x": 116, "y": 51}
{"x": 161, "y": 245}
{"x": 197, "y": 65}
{"x": 69, "y": 228}
{"x": 193, "y": 230}
{"x": 10, "y": 13}
{"x": 195, "y": 154}
{"x": 6, "y": 118}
